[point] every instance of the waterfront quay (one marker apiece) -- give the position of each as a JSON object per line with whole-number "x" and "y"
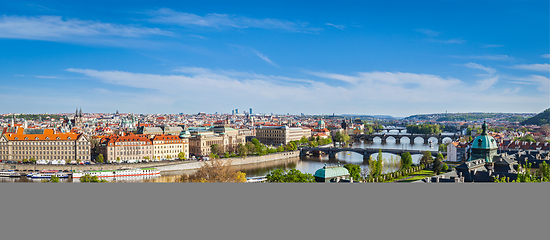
{"x": 163, "y": 166}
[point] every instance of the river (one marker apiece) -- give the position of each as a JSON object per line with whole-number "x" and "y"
{"x": 307, "y": 164}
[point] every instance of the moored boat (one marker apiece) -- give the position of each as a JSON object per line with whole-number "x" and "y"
{"x": 122, "y": 172}
{"x": 48, "y": 174}
{"x": 9, "y": 173}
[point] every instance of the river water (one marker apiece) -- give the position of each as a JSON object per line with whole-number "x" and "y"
{"x": 307, "y": 164}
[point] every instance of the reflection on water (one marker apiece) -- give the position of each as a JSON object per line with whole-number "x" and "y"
{"x": 310, "y": 164}
{"x": 110, "y": 179}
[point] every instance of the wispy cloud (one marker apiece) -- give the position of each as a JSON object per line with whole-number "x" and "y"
{"x": 546, "y": 56}
{"x": 428, "y": 32}
{"x": 450, "y": 41}
{"x": 487, "y": 57}
{"x": 544, "y": 67}
{"x": 408, "y": 91}
{"x": 542, "y": 81}
{"x": 265, "y": 58}
{"x": 56, "y": 28}
{"x": 341, "y": 27}
{"x": 492, "y": 45}
{"x": 215, "y": 20}
{"x": 489, "y": 78}
{"x": 481, "y": 67}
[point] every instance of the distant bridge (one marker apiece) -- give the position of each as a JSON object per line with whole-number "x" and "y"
{"x": 366, "y": 152}
{"x": 425, "y": 137}
{"x": 389, "y": 128}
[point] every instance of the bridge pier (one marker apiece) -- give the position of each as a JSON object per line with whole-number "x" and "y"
{"x": 331, "y": 154}
{"x": 366, "y": 156}
{"x": 398, "y": 140}
{"x": 383, "y": 140}
{"x": 426, "y": 140}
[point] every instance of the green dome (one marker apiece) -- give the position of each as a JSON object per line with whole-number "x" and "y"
{"x": 321, "y": 122}
{"x": 331, "y": 172}
{"x": 484, "y": 141}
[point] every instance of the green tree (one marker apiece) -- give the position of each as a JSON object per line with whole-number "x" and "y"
{"x": 117, "y": 159}
{"x": 437, "y": 165}
{"x": 242, "y": 150}
{"x": 442, "y": 147}
{"x": 354, "y": 171}
{"x": 181, "y": 156}
{"x": 379, "y": 162}
{"x": 226, "y": 155}
{"x": 276, "y": 175}
{"x": 303, "y": 140}
{"x": 426, "y": 158}
{"x": 341, "y": 137}
{"x": 406, "y": 160}
{"x": 89, "y": 178}
{"x": 294, "y": 175}
{"x": 99, "y": 158}
{"x": 215, "y": 149}
{"x": 544, "y": 171}
{"x": 280, "y": 149}
{"x": 375, "y": 166}
{"x": 445, "y": 167}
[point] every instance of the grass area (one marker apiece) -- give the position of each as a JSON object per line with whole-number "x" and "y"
{"x": 418, "y": 176}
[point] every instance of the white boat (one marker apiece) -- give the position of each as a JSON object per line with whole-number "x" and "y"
{"x": 48, "y": 174}
{"x": 9, "y": 173}
{"x": 122, "y": 172}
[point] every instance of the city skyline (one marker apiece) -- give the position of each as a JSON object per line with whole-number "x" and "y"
{"x": 374, "y": 58}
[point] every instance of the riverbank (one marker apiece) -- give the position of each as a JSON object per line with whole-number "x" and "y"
{"x": 162, "y": 166}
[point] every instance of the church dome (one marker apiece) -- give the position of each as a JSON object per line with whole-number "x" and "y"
{"x": 484, "y": 141}
{"x": 321, "y": 122}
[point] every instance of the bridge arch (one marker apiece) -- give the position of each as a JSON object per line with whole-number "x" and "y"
{"x": 446, "y": 140}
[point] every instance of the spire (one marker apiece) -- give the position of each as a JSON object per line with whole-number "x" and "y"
{"x": 80, "y": 113}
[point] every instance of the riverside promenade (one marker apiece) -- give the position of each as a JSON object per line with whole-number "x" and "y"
{"x": 162, "y": 166}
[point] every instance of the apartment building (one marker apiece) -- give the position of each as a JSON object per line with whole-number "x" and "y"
{"x": 128, "y": 148}
{"x": 169, "y": 147}
{"x": 280, "y": 135}
{"x": 43, "y": 144}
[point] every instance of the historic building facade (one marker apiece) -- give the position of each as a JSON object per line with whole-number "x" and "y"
{"x": 169, "y": 147}
{"x": 44, "y": 144}
{"x": 280, "y": 135}
{"x": 128, "y": 148}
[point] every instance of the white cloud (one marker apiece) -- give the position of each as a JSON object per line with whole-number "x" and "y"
{"x": 546, "y": 56}
{"x": 265, "y": 58}
{"x": 544, "y": 67}
{"x": 341, "y": 27}
{"x": 450, "y": 41}
{"x": 481, "y": 67}
{"x": 542, "y": 82}
{"x": 487, "y": 57}
{"x": 492, "y": 45}
{"x": 55, "y": 28}
{"x": 397, "y": 93}
{"x": 428, "y": 32}
{"x": 486, "y": 83}
{"x": 215, "y": 20}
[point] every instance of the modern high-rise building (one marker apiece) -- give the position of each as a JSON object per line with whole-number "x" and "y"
{"x": 237, "y": 111}
{"x": 250, "y": 112}
{"x": 233, "y": 112}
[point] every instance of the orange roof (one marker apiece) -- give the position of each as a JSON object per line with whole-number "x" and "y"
{"x": 166, "y": 137}
{"x": 48, "y": 135}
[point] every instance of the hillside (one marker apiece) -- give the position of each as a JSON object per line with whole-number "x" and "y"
{"x": 539, "y": 119}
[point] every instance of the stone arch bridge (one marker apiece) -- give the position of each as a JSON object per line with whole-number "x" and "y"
{"x": 425, "y": 137}
{"x": 366, "y": 152}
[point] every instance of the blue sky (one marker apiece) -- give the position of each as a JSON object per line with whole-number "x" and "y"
{"x": 358, "y": 57}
